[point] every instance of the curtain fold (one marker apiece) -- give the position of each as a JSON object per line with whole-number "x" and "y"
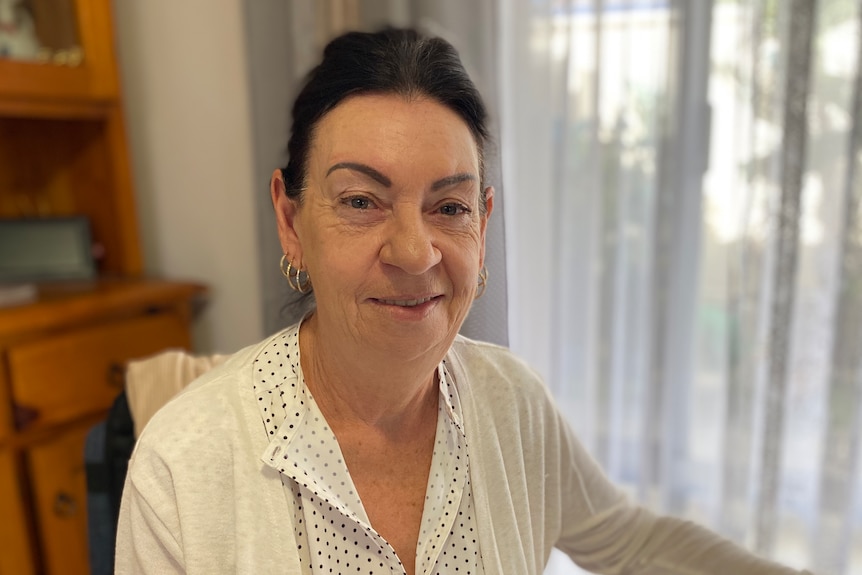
{"x": 792, "y": 160}
{"x": 843, "y": 448}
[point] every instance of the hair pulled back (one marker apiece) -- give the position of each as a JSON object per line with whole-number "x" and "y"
{"x": 392, "y": 61}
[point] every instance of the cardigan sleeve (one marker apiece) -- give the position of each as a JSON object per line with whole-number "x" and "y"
{"x": 148, "y": 530}
{"x": 198, "y": 499}
{"x": 607, "y": 533}
{"x": 537, "y": 487}
{"x": 630, "y": 539}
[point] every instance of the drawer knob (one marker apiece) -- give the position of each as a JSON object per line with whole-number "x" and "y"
{"x": 117, "y": 375}
{"x": 65, "y": 505}
{"x": 24, "y": 416}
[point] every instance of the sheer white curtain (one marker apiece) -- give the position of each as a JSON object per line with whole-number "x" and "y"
{"x": 683, "y": 253}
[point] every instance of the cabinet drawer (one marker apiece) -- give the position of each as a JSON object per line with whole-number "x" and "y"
{"x": 16, "y": 549}
{"x": 58, "y": 378}
{"x": 59, "y": 484}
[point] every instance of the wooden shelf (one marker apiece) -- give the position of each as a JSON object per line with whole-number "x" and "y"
{"x": 11, "y": 107}
{"x": 64, "y": 306}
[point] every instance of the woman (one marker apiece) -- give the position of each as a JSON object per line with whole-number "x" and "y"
{"x": 371, "y": 438}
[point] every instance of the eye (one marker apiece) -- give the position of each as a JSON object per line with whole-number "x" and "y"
{"x": 358, "y": 202}
{"x": 454, "y": 209}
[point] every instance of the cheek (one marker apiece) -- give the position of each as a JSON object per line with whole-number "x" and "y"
{"x": 342, "y": 258}
{"x": 464, "y": 266}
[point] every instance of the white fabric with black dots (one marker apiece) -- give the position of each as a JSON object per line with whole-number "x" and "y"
{"x": 333, "y": 532}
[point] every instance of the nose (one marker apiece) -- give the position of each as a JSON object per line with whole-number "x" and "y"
{"x": 409, "y": 244}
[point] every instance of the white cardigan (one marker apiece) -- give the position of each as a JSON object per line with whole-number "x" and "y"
{"x": 200, "y": 499}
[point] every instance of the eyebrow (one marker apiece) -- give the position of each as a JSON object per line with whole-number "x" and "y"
{"x": 452, "y": 180}
{"x": 383, "y": 180}
{"x": 362, "y": 169}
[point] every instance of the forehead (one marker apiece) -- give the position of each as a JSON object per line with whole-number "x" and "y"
{"x": 391, "y": 132}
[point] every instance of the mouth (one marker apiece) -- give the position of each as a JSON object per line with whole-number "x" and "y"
{"x": 406, "y": 302}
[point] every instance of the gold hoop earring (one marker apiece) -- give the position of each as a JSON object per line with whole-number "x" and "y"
{"x": 483, "y": 283}
{"x": 294, "y": 276}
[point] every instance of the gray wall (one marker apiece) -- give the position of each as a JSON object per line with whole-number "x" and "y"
{"x": 184, "y": 76}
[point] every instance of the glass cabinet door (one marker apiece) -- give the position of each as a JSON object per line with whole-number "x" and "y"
{"x": 56, "y": 57}
{"x": 40, "y": 31}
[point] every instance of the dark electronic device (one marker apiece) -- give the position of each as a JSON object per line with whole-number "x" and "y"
{"x": 46, "y": 249}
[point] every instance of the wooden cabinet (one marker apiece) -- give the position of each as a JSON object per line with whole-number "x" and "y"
{"x": 15, "y": 538}
{"x": 49, "y": 88}
{"x": 59, "y": 484}
{"x": 63, "y": 152}
{"x": 85, "y": 366}
{"x": 62, "y": 361}
{"x": 63, "y": 148}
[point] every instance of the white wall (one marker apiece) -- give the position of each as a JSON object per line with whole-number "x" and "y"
{"x": 185, "y": 80}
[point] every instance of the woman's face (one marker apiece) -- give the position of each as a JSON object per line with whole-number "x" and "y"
{"x": 390, "y": 228}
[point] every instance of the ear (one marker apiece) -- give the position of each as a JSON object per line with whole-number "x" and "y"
{"x": 489, "y": 207}
{"x": 286, "y": 211}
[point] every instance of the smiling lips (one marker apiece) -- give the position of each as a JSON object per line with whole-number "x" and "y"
{"x": 407, "y": 302}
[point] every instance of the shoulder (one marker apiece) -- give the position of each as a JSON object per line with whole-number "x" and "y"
{"x": 497, "y": 385}
{"x": 195, "y": 479}
{"x": 210, "y": 413}
{"x": 491, "y": 365}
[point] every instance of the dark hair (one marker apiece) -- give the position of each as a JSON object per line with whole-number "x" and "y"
{"x": 392, "y": 61}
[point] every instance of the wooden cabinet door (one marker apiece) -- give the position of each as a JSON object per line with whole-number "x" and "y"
{"x": 59, "y": 484}
{"x": 16, "y": 549}
{"x": 84, "y": 369}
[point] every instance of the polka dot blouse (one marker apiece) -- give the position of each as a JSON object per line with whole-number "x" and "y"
{"x": 333, "y": 532}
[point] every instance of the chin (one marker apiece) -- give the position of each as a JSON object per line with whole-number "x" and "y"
{"x": 414, "y": 341}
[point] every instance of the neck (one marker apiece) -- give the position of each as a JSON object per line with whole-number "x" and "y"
{"x": 354, "y": 385}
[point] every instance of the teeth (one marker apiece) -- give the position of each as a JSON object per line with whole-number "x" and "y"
{"x": 407, "y": 302}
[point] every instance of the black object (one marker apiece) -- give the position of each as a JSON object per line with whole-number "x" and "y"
{"x": 107, "y": 451}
